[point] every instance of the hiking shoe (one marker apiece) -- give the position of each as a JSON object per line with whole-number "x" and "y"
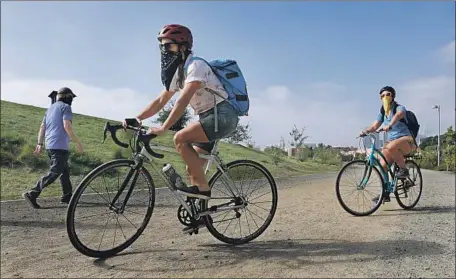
{"x": 385, "y": 199}
{"x": 201, "y": 224}
{"x": 66, "y": 198}
{"x": 402, "y": 173}
{"x": 193, "y": 191}
{"x": 30, "y": 197}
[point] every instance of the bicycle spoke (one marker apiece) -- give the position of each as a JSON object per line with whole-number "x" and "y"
{"x": 247, "y": 220}
{"x": 258, "y": 197}
{"x": 247, "y": 210}
{"x": 255, "y": 214}
{"x": 104, "y": 232}
{"x": 115, "y": 232}
{"x": 228, "y": 225}
{"x": 87, "y": 216}
{"x": 107, "y": 191}
{"x": 117, "y": 220}
{"x": 107, "y": 202}
{"x": 134, "y": 212}
{"x": 223, "y": 218}
{"x": 259, "y": 202}
{"x": 129, "y": 221}
{"x": 240, "y": 229}
{"x": 260, "y": 207}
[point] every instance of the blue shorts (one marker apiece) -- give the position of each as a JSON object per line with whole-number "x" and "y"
{"x": 227, "y": 123}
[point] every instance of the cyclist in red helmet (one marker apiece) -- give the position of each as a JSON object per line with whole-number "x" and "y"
{"x": 400, "y": 140}
{"x": 195, "y": 85}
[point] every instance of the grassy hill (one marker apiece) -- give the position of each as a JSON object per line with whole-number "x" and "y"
{"x": 20, "y": 168}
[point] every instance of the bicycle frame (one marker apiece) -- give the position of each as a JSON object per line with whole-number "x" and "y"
{"x": 372, "y": 162}
{"x": 144, "y": 155}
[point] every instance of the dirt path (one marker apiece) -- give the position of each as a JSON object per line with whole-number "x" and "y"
{"x": 310, "y": 236}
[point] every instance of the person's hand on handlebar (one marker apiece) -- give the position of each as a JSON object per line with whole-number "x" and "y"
{"x": 125, "y": 124}
{"x": 385, "y": 128}
{"x": 156, "y": 131}
{"x": 363, "y": 133}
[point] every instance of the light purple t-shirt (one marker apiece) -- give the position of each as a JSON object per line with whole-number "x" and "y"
{"x": 56, "y": 136}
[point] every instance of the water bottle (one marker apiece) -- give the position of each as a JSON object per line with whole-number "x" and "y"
{"x": 174, "y": 178}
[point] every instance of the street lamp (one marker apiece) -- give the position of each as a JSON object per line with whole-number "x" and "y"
{"x": 438, "y": 136}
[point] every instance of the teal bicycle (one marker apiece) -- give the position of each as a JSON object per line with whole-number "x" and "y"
{"x": 371, "y": 184}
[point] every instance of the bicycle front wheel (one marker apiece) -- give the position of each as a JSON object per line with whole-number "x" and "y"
{"x": 408, "y": 191}
{"x": 364, "y": 183}
{"x": 110, "y": 208}
{"x": 249, "y": 185}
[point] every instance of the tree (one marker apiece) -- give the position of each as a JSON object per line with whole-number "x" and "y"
{"x": 242, "y": 134}
{"x": 449, "y": 151}
{"x": 180, "y": 123}
{"x": 297, "y": 137}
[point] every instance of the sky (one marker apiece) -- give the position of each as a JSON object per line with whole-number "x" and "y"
{"x": 316, "y": 65}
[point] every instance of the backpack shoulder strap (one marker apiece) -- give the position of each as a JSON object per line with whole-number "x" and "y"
{"x": 403, "y": 119}
{"x": 192, "y": 59}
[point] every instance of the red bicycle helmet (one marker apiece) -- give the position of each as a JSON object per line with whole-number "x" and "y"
{"x": 177, "y": 33}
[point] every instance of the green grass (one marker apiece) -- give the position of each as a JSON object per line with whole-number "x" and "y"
{"x": 20, "y": 169}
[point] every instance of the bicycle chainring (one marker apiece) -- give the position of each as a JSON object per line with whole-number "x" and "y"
{"x": 183, "y": 215}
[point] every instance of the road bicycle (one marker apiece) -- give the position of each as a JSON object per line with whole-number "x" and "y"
{"x": 406, "y": 190}
{"x": 229, "y": 179}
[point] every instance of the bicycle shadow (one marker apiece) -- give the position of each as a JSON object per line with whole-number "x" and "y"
{"x": 418, "y": 210}
{"x": 291, "y": 254}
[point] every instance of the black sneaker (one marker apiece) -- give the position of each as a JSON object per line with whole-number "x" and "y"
{"x": 30, "y": 197}
{"x": 385, "y": 199}
{"x": 201, "y": 224}
{"x": 402, "y": 173}
{"x": 193, "y": 191}
{"x": 66, "y": 198}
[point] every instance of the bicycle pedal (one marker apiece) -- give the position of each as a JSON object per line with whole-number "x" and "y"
{"x": 192, "y": 231}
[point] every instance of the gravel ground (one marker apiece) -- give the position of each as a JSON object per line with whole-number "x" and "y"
{"x": 310, "y": 236}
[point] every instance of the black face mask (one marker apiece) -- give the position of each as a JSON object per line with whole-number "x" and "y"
{"x": 67, "y": 100}
{"x": 170, "y": 61}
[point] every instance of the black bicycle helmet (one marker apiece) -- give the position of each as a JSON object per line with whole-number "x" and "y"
{"x": 390, "y": 89}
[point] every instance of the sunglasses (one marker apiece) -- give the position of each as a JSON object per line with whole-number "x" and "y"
{"x": 386, "y": 94}
{"x": 166, "y": 46}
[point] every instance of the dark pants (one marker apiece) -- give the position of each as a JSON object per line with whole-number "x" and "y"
{"x": 59, "y": 167}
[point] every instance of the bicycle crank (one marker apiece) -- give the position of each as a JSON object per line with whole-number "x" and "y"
{"x": 184, "y": 216}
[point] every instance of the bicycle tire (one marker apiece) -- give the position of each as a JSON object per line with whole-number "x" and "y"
{"x": 77, "y": 194}
{"x": 339, "y": 198}
{"x": 398, "y": 199}
{"x": 262, "y": 229}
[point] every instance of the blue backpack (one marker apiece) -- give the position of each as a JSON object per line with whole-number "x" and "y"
{"x": 230, "y": 76}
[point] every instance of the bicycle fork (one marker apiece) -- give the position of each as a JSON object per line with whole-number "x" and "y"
{"x": 133, "y": 171}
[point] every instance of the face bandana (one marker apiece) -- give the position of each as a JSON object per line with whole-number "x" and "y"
{"x": 387, "y": 104}
{"x": 170, "y": 61}
{"x": 67, "y": 100}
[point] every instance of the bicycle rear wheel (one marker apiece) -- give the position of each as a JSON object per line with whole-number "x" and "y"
{"x": 408, "y": 191}
{"x": 248, "y": 178}
{"x": 357, "y": 173}
{"x": 92, "y": 214}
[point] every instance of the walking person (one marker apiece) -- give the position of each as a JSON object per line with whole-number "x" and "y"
{"x": 56, "y": 131}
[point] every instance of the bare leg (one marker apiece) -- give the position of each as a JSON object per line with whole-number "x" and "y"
{"x": 182, "y": 139}
{"x": 202, "y": 163}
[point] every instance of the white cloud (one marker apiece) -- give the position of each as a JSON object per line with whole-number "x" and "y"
{"x": 115, "y": 104}
{"x": 422, "y": 94}
{"x": 326, "y": 117}
{"x": 320, "y": 107}
{"x": 331, "y": 119}
{"x": 447, "y": 53}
